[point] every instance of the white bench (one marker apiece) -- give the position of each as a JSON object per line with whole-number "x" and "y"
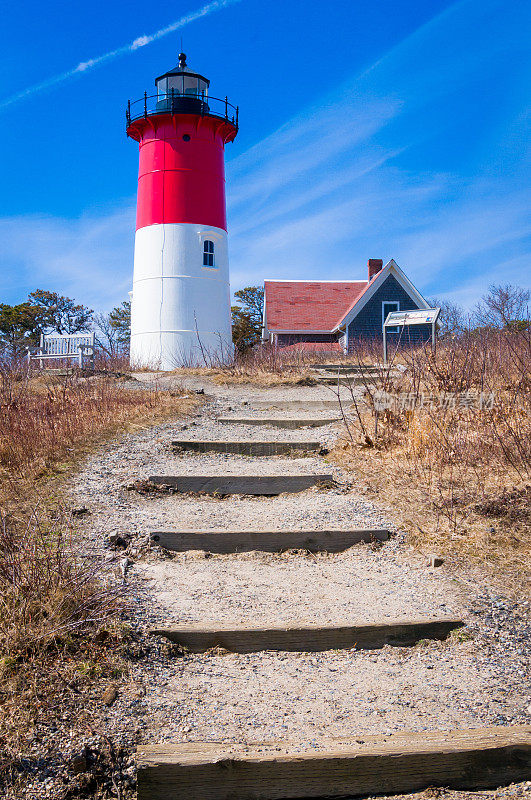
{"x": 73, "y": 346}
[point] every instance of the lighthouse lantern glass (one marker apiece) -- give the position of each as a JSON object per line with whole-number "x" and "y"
{"x": 182, "y": 84}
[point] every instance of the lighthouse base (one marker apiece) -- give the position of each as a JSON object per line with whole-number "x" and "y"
{"x": 168, "y": 351}
{"x": 180, "y": 311}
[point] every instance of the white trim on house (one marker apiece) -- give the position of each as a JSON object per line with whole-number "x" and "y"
{"x": 343, "y": 341}
{"x": 265, "y": 332}
{"x": 391, "y": 268}
{"x": 313, "y": 280}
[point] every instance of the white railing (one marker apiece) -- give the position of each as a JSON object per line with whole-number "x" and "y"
{"x": 74, "y": 346}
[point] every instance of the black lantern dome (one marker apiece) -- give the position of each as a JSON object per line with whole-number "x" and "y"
{"x": 181, "y": 90}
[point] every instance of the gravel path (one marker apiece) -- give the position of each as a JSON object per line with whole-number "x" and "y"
{"x": 477, "y": 677}
{"x": 241, "y": 393}
{"x": 305, "y": 696}
{"x": 358, "y": 586}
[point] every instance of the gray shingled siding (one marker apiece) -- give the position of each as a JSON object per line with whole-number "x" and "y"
{"x": 368, "y": 323}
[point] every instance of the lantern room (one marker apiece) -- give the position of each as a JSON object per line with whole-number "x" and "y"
{"x": 181, "y": 90}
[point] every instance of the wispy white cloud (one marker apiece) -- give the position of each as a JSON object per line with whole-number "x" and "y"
{"x": 89, "y": 258}
{"x": 140, "y": 41}
{"x": 305, "y": 144}
{"x": 480, "y": 226}
{"x": 340, "y": 182}
{"x": 330, "y": 188}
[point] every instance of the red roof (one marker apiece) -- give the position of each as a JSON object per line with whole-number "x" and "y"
{"x": 358, "y": 297}
{"x": 309, "y": 305}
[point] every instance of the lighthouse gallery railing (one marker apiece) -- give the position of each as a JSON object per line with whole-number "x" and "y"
{"x": 174, "y": 103}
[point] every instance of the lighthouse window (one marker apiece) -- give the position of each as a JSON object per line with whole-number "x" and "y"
{"x": 190, "y": 86}
{"x": 208, "y": 253}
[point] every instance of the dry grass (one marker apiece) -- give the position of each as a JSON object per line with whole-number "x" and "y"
{"x": 44, "y": 419}
{"x": 267, "y": 366}
{"x": 262, "y": 377}
{"x": 492, "y": 544}
{"x": 53, "y": 605}
{"x": 58, "y": 607}
{"x": 457, "y": 476}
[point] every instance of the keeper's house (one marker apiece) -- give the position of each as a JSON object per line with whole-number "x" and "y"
{"x": 333, "y": 315}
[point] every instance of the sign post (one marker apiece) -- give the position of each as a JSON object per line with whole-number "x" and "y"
{"x": 399, "y": 319}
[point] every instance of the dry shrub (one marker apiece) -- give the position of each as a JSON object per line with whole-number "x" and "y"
{"x": 232, "y": 376}
{"x": 43, "y": 417}
{"x": 262, "y": 366}
{"x": 265, "y": 366}
{"x": 55, "y": 608}
{"x": 117, "y": 364}
{"x": 53, "y": 598}
{"x": 47, "y": 591}
{"x": 442, "y": 449}
{"x": 44, "y": 420}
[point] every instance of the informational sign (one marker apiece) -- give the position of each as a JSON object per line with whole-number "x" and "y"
{"x": 424, "y": 316}
{"x": 399, "y": 320}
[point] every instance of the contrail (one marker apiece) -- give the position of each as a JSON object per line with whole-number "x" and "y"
{"x": 140, "y": 41}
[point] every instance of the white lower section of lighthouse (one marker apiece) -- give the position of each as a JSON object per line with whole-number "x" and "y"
{"x": 180, "y": 311}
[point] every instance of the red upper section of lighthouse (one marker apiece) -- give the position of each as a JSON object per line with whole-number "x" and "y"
{"x": 181, "y": 174}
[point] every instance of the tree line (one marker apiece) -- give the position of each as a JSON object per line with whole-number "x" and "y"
{"x": 44, "y": 312}
{"x": 21, "y": 325}
{"x": 503, "y": 307}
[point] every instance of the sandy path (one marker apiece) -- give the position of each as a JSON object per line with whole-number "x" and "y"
{"x": 358, "y": 586}
{"x": 476, "y": 679}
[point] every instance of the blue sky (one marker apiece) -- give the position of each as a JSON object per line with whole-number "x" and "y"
{"x": 393, "y": 129}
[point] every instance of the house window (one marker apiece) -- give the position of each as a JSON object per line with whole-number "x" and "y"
{"x": 208, "y": 253}
{"x": 387, "y": 307}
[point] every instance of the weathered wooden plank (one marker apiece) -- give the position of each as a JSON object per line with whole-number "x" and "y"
{"x": 248, "y": 448}
{"x": 221, "y": 541}
{"x": 354, "y": 379}
{"x": 279, "y": 422}
{"x": 316, "y": 373}
{"x": 308, "y": 639}
{"x": 480, "y": 758}
{"x": 365, "y": 368}
{"x": 347, "y": 380}
{"x": 296, "y": 405}
{"x": 267, "y": 485}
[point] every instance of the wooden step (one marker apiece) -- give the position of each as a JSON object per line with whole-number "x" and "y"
{"x": 267, "y": 485}
{"x": 248, "y": 448}
{"x": 349, "y": 367}
{"x": 296, "y": 405}
{"x": 223, "y": 541}
{"x": 278, "y": 422}
{"x": 334, "y": 374}
{"x": 347, "y": 380}
{"x": 479, "y": 758}
{"x": 346, "y": 370}
{"x": 308, "y": 639}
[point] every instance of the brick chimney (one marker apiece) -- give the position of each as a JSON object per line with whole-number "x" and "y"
{"x": 375, "y": 265}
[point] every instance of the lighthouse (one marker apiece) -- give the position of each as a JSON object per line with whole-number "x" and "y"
{"x": 180, "y": 309}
